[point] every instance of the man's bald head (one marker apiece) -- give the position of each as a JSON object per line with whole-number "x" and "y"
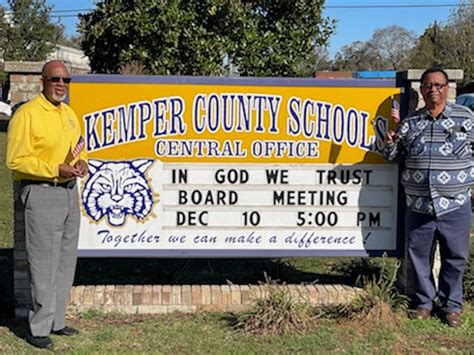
{"x": 49, "y": 66}
{"x": 55, "y": 78}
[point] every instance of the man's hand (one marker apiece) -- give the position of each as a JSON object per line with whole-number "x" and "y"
{"x": 390, "y": 137}
{"x": 67, "y": 171}
{"x": 81, "y": 168}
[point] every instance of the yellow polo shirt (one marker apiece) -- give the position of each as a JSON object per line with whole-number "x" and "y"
{"x": 40, "y": 137}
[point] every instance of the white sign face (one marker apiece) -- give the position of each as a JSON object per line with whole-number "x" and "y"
{"x": 238, "y": 208}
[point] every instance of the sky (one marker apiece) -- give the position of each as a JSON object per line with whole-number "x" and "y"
{"x": 355, "y": 22}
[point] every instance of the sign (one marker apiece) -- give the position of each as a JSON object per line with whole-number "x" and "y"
{"x": 183, "y": 166}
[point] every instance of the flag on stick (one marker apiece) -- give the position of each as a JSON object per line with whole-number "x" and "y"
{"x": 395, "y": 111}
{"x": 80, "y": 145}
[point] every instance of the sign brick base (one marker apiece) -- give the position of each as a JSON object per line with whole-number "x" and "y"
{"x": 159, "y": 299}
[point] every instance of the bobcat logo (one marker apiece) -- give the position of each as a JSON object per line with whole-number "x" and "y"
{"x": 116, "y": 190}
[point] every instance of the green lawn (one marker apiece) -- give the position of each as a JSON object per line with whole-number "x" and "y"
{"x": 212, "y": 333}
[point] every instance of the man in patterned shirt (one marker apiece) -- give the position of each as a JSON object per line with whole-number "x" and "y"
{"x": 435, "y": 143}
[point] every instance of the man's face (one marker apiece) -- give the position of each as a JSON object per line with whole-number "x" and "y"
{"x": 434, "y": 89}
{"x": 54, "y": 87}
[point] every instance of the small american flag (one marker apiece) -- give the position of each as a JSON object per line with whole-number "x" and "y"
{"x": 395, "y": 111}
{"x": 78, "y": 148}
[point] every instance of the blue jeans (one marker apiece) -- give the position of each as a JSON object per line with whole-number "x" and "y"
{"x": 453, "y": 230}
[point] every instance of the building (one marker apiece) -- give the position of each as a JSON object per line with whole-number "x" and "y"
{"x": 75, "y": 59}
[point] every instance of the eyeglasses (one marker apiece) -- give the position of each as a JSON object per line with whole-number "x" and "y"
{"x": 57, "y": 79}
{"x": 437, "y": 86}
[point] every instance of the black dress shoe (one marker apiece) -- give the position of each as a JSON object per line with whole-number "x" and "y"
{"x": 40, "y": 342}
{"x": 67, "y": 331}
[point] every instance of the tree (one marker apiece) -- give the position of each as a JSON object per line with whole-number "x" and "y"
{"x": 393, "y": 44}
{"x": 279, "y": 38}
{"x": 205, "y": 37}
{"x": 424, "y": 54}
{"x": 26, "y": 32}
{"x": 73, "y": 41}
{"x": 358, "y": 55}
{"x": 388, "y": 49}
{"x": 449, "y": 45}
{"x": 321, "y": 59}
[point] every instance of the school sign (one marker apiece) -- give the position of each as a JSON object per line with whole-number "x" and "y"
{"x": 189, "y": 166}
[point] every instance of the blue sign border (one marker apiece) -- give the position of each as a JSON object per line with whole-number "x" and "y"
{"x": 217, "y": 80}
{"x": 264, "y": 81}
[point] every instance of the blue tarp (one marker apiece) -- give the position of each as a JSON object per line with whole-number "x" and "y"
{"x": 381, "y": 74}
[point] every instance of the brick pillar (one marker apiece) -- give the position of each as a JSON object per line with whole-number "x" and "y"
{"x": 25, "y": 84}
{"x": 25, "y": 80}
{"x": 21, "y": 278}
{"x": 410, "y": 80}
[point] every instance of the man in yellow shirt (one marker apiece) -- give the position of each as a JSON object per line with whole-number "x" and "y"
{"x": 46, "y": 152}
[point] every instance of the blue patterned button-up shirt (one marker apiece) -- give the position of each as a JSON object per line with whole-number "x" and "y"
{"x": 438, "y": 170}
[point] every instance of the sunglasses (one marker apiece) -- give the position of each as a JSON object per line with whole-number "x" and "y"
{"x": 57, "y": 79}
{"x": 429, "y": 86}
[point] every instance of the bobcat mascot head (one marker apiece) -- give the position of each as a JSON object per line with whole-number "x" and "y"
{"x": 117, "y": 189}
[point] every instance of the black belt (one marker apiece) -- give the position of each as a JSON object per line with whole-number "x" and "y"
{"x": 66, "y": 184}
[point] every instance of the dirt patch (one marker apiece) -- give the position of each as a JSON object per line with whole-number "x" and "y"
{"x": 450, "y": 342}
{"x": 367, "y": 318}
{"x": 364, "y": 324}
{"x": 380, "y": 314}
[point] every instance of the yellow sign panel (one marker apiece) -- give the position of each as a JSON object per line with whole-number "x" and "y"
{"x": 233, "y": 123}
{"x": 235, "y": 167}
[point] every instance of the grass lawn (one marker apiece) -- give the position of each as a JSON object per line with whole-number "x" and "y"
{"x": 213, "y": 333}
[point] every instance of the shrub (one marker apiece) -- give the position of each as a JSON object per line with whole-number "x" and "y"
{"x": 279, "y": 312}
{"x": 380, "y": 299}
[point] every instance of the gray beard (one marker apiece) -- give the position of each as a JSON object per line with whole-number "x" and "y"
{"x": 58, "y": 98}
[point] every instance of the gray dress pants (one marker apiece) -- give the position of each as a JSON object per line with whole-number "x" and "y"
{"x": 52, "y": 229}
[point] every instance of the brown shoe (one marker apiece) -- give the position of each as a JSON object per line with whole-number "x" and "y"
{"x": 453, "y": 319}
{"x": 422, "y": 313}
